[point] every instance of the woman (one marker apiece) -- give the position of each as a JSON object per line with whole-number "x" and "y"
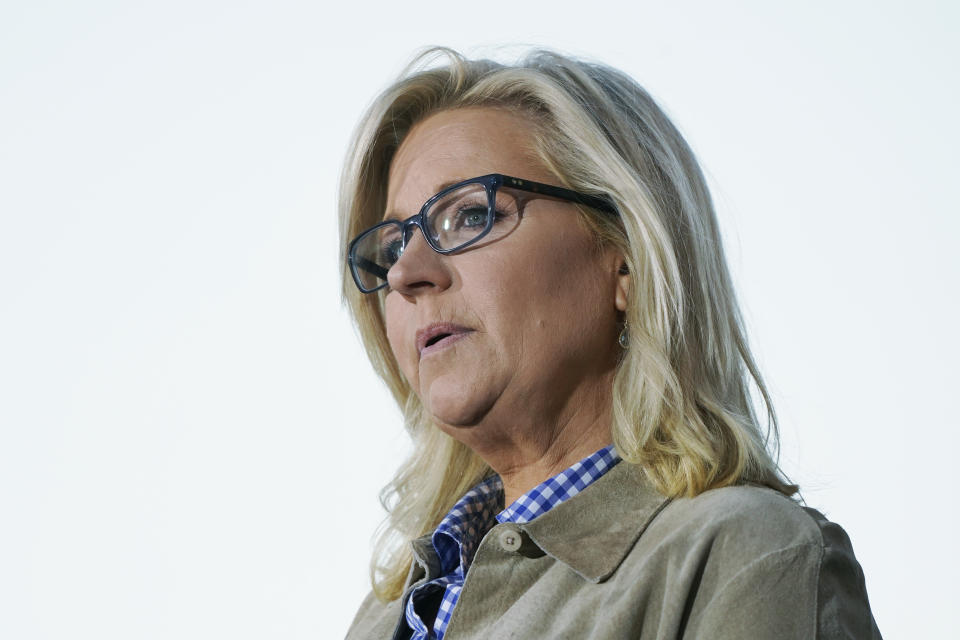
{"x": 534, "y": 264}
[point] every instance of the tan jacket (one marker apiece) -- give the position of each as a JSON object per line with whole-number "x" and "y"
{"x": 621, "y": 561}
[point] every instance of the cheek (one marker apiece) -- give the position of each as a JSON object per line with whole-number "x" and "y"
{"x": 565, "y": 274}
{"x": 567, "y": 301}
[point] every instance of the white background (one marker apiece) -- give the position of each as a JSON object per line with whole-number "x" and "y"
{"x": 191, "y": 441}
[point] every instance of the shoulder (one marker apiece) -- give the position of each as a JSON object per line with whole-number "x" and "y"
{"x": 754, "y": 559}
{"x": 723, "y": 534}
{"x": 757, "y": 519}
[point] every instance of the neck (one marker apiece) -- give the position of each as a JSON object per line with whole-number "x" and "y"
{"x": 529, "y": 442}
{"x": 522, "y": 478}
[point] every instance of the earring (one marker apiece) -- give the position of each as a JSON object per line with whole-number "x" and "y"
{"x": 624, "y": 338}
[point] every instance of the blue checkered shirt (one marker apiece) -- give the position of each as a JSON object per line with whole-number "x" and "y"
{"x": 457, "y": 536}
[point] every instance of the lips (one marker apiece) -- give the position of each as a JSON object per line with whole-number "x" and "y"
{"x": 439, "y": 335}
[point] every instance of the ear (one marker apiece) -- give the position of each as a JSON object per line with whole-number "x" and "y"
{"x": 623, "y": 286}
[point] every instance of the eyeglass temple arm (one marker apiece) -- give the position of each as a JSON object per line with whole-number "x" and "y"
{"x": 601, "y": 203}
{"x": 371, "y": 266}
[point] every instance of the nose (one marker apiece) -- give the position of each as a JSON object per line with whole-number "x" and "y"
{"x": 420, "y": 269}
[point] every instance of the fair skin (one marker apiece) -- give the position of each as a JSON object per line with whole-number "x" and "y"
{"x": 525, "y": 378}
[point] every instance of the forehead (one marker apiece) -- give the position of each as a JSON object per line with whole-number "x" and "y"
{"x": 458, "y": 144}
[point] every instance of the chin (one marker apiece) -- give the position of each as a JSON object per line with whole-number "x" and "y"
{"x": 455, "y": 415}
{"x": 459, "y": 407}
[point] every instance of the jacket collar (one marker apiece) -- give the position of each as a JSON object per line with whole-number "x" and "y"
{"x": 593, "y": 531}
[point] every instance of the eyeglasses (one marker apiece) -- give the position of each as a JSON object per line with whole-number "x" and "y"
{"x": 458, "y": 216}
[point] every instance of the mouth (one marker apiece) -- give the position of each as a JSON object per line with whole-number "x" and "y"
{"x": 439, "y": 336}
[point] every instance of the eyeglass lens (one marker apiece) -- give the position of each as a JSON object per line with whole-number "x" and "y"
{"x": 456, "y": 219}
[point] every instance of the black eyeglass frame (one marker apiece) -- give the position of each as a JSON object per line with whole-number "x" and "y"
{"x": 491, "y": 183}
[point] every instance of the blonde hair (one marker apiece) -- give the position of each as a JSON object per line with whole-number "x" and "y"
{"x": 682, "y": 405}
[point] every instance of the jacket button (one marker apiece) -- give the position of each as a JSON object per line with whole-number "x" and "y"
{"x": 510, "y": 540}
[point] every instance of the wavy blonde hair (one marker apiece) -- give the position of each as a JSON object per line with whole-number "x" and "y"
{"x": 682, "y": 405}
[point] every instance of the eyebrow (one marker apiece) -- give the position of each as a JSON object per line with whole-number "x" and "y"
{"x": 443, "y": 185}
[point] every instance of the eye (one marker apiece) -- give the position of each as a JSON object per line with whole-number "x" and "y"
{"x": 472, "y": 216}
{"x": 390, "y": 252}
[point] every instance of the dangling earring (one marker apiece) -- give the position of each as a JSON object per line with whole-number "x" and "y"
{"x": 624, "y": 337}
